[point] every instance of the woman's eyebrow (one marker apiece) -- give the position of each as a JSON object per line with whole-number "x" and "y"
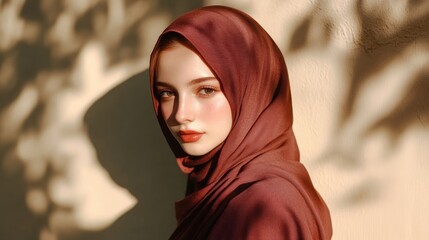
{"x": 192, "y": 82}
{"x": 202, "y": 79}
{"x": 160, "y": 84}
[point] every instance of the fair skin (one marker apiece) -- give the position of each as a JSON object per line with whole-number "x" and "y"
{"x": 192, "y": 103}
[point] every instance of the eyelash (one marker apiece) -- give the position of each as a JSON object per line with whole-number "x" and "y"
{"x": 161, "y": 92}
{"x": 166, "y": 94}
{"x": 212, "y": 90}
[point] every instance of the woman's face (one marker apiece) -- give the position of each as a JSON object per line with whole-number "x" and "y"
{"x": 192, "y": 103}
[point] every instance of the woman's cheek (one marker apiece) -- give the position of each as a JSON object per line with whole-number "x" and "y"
{"x": 217, "y": 112}
{"x": 166, "y": 110}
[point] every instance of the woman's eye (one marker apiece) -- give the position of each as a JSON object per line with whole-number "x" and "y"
{"x": 206, "y": 91}
{"x": 165, "y": 94}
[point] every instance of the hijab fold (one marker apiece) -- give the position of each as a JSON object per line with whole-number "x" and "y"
{"x": 261, "y": 144}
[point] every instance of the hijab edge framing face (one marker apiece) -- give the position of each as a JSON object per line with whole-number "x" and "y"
{"x": 254, "y": 78}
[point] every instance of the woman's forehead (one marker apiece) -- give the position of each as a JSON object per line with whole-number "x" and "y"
{"x": 180, "y": 64}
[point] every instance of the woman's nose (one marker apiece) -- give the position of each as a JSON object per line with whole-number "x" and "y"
{"x": 185, "y": 109}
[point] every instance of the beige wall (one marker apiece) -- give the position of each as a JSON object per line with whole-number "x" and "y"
{"x": 360, "y": 85}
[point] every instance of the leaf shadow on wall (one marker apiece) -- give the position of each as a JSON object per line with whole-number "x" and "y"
{"x": 43, "y": 58}
{"x": 376, "y": 50}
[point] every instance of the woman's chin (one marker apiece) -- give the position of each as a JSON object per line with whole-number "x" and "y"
{"x": 195, "y": 149}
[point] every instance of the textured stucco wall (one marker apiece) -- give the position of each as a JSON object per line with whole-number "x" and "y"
{"x": 360, "y": 88}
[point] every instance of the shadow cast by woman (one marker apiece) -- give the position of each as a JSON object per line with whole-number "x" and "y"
{"x": 130, "y": 146}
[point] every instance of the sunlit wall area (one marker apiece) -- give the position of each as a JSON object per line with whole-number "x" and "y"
{"x": 82, "y": 156}
{"x": 76, "y": 138}
{"x": 360, "y": 87}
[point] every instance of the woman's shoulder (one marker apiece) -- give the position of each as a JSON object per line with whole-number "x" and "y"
{"x": 273, "y": 207}
{"x": 271, "y": 194}
{"x": 278, "y": 184}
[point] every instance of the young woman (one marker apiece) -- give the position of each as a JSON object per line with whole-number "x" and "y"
{"x": 221, "y": 93}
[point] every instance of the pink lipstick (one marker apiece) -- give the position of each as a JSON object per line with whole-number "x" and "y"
{"x": 189, "y": 136}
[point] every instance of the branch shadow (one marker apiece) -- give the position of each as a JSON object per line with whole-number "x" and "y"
{"x": 412, "y": 109}
{"x": 376, "y": 50}
{"x": 121, "y": 124}
{"x": 379, "y": 51}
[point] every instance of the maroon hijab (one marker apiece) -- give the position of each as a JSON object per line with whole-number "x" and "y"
{"x": 252, "y": 185}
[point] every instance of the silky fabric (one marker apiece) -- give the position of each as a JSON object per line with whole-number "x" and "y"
{"x": 252, "y": 186}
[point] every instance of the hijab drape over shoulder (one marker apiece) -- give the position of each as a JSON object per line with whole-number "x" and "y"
{"x": 252, "y": 186}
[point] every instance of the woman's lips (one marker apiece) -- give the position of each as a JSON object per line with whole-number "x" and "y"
{"x": 189, "y": 136}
